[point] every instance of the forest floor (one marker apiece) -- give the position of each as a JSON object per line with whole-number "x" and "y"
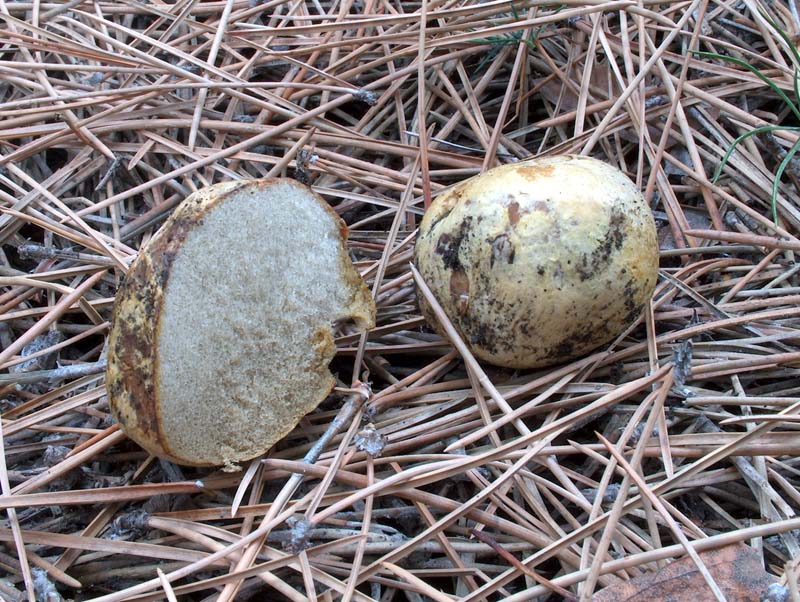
{"x": 665, "y": 463}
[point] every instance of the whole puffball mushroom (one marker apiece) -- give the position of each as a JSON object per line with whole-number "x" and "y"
{"x": 540, "y": 261}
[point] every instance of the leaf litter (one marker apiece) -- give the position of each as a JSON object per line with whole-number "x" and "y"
{"x": 113, "y": 112}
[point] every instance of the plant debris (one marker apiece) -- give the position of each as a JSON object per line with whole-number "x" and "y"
{"x": 113, "y": 112}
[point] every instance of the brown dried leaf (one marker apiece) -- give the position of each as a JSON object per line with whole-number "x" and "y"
{"x": 737, "y": 569}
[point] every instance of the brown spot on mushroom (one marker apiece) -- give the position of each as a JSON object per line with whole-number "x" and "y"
{"x": 133, "y": 348}
{"x": 563, "y": 349}
{"x": 513, "y": 213}
{"x": 459, "y": 290}
{"x": 536, "y": 172}
{"x": 502, "y": 250}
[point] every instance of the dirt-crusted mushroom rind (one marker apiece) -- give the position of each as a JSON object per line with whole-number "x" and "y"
{"x": 541, "y": 261}
{"x": 223, "y": 328}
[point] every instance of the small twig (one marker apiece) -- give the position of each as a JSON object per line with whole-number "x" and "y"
{"x": 345, "y": 415}
{"x": 34, "y": 251}
{"x": 53, "y": 375}
{"x": 747, "y": 239}
{"x": 110, "y": 172}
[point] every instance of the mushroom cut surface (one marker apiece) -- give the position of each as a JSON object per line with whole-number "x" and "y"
{"x": 223, "y": 327}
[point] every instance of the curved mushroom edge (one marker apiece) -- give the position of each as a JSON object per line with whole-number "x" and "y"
{"x": 133, "y": 362}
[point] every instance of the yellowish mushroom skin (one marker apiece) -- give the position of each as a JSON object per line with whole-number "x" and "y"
{"x": 540, "y": 261}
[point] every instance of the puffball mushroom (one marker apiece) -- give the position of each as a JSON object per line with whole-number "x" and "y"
{"x": 540, "y": 261}
{"x": 222, "y": 330}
